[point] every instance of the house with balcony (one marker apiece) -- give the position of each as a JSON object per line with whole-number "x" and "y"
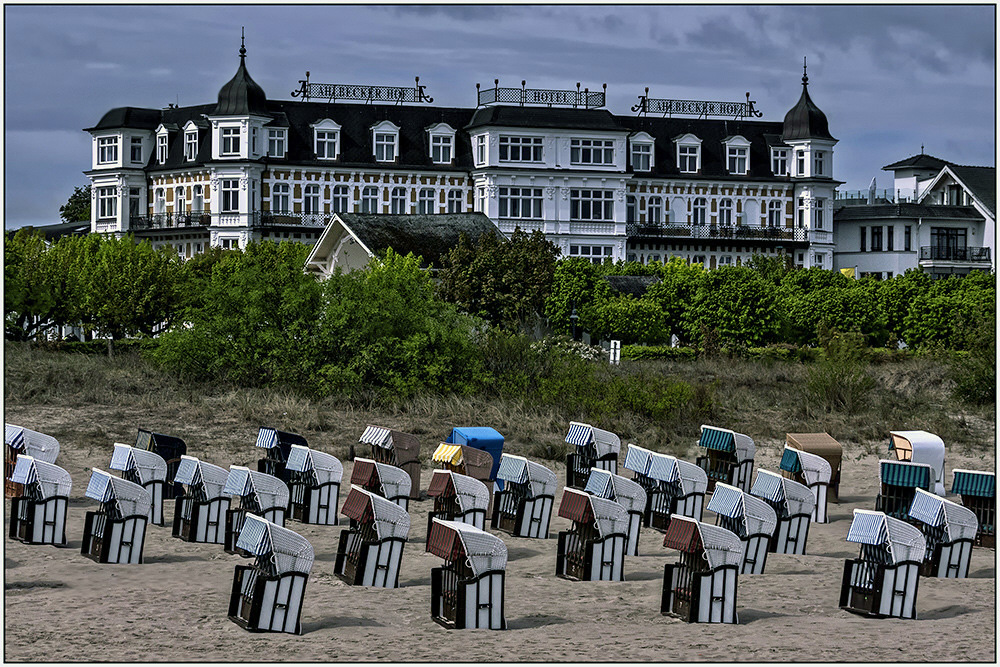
{"x": 939, "y": 217}
{"x": 704, "y": 181}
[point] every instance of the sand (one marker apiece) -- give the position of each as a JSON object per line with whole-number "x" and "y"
{"x": 61, "y": 606}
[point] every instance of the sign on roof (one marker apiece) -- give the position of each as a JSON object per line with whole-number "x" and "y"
{"x": 570, "y": 98}
{"x": 350, "y": 91}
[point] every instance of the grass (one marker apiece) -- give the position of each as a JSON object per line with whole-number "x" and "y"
{"x": 97, "y": 398}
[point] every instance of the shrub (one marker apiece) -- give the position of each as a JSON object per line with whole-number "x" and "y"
{"x": 642, "y": 352}
{"x": 840, "y": 380}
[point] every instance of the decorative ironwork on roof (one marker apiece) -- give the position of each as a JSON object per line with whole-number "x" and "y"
{"x": 701, "y": 109}
{"x": 351, "y": 91}
{"x": 570, "y": 98}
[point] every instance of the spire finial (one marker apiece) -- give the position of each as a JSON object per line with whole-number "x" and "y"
{"x": 805, "y": 77}
{"x": 243, "y": 48}
{"x": 921, "y": 149}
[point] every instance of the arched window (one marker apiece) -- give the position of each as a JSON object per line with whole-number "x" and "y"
{"x": 654, "y": 210}
{"x": 774, "y": 214}
{"x": 279, "y": 198}
{"x": 699, "y": 211}
{"x": 425, "y": 201}
{"x": 179, "y": 198}
{"x": 398, "y": 200}
{"x": 197, "y": 199}
{"x": 159, "y": 201}
{"x": 369, "y": 199}
{"x": 341, "y": 199}
{"x": 310, "y": 202}
{"x": 726, "y": 213}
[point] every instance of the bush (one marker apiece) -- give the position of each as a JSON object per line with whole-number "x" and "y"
{"x": 642, "y": 352}
{"x": 840, "y": 380}
{"x": 975, "y": 373}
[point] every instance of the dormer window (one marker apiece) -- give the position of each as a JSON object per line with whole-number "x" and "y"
{"x": 326, "y": 139}
{"x": 190, "y": 145}
{"x": 385, "y": 140}
{"x": 688, "y": 154}
{"x": 161, "y": 148}
{"x": 276, "y": 141}
{"x": 779, "y": 161}
{"x": 230, "y": 141}
{"x": 642, "y": 152}
{"x": 442, "y": 143}
{"x": 737, "y": 155}
{"x": 107, "y": 150}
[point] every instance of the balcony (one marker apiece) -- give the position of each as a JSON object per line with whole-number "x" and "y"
{"x": 713, "y": 232}
{"x": 188, "y": 219}
{"x": 201, "y": 219}
{"x": 954, "y": 254}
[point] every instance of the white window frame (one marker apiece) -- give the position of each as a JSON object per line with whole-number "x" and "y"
{"x": 161, "y": 147}
{"x": 737, "y": 155}
{"x": 818, "y": 205}
{"x": 229, "y": 141}
{"x": 688, "y": 148}
{"x": 519, "y": 148}
{"x": 699, "y": 211}
{"x": 481, "y": 150}
{"x": 277, "y": 138}
{"x": 310, "y": 199}
{"x": 369, "y": 199}
{"x": 631, "y": 209}
{"x": 520, "y": 203}
{"x": 456, "y": 201}
{"x": 197, "y": 199}
{"x": 774, "y": 213}
{"x": 190, "y": 145}
{"x": 819, "y": 160}
{"x": 801, "y": 212}
{"x": 340, "y": 199}
{"x": 107, "y": 203}
{"x": 587, "y": 252}
{"x": 727, "y": 211}
{"x": 180, "y": 200}
{"x": 397, "y": 200}
{"x": 641, "y": 155}
{"x": 107, "y": 150}
{"x": 385, "y": 138}
{"x": 229, "y": 195}
{"x": 426, "y": 201}
{"x": 281, "y": 198}
{"x": 779, "y": 161}
{"x": 159, "y": 201}
{"x": 591, "y": 205}
{"x": 800, "y": 163}
{"x": 136, "y": 143}
{"x": 654, "y": 210}
{"x": 441, "y": 143}
{"x": 591, "y": 151}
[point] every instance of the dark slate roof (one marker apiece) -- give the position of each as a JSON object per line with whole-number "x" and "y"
{"x": 631, "y": 285}
{"x": 905, "y": 210}
{"x": 921, "y": 161}
{"x": 982, "y": 181}
{"x": 241, "y": 95}
{"x": 805, "y": 120}
{"x": 713, "y": 152}
{"x": 53, "y": 232}
{"x": 429, "y": 236}
{"x": 131, "y": 117}
{"x": 556, "y": 117}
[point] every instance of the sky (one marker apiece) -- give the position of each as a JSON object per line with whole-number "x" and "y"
{"x": 890, "y": 78}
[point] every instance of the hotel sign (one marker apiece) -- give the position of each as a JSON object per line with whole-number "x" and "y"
{"x": 697, "y": 107}
{"x": 342, "y": 91}
{"x": 571, "y": 98}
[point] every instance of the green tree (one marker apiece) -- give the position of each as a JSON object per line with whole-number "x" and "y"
{"x": 77, "y": 207}
{"x": 503, "y": 282}
{"x": 675, "y": 293}
{"x": 630, "y": 320}
{"x": 737, "y": 304}
{"x": 576, "y": 284}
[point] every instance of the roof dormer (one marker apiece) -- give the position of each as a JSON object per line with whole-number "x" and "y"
{"x": 385, "y": 141}
{"x": 441, "y": 143}
{"x": 326, "y": 139}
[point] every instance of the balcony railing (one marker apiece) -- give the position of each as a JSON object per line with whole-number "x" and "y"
{"x": 742, "y": 233}
{"x": 955, "y": 254}
{"x": 204, "y": 219}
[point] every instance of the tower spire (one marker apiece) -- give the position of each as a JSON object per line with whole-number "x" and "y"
{"x": 243, "y": 48}
{"x": 805, "y": 77}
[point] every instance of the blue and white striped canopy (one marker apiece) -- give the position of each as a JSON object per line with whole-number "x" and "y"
{"x": 288, "y": 551}
{"x": 199, "y": 474}
{"x": 130, "y": 498}
{"x": 901, "y": 540}
{"x": 377, "y": 435}
{"x": 905, "y": 473}
{"x": 579, "y": 434}
{"x": 868, "y": 528}
{"x": 24, "y": 470}
{"x": 50, "y": 478}
{"x": 727, "y": 501}
{"x": 599, "y": 484}
{"x": 637, "y": 459}
{"x": 268, "y": 490}
{"x": 663, "y": 468}
{"x": 14, "y": 436}
{"x": 267, "y": 438}
{"x": 974, "y": 483}
{"x": 513, "y": 469}
{"x": 959, "y": 522}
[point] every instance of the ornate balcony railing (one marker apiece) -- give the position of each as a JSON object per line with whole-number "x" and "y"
{"x": 955, "y": 254}
{"x": 170, "y": 220}
{"x": 282, "y": 218}
{"x": 205, "y": 219}
{"x": 740, "y": 233}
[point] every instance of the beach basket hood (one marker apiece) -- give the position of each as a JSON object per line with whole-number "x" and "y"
{"x": 974, "y": 483}
{"x": 637, "y": 459}
{"x": 389, "y": 519}
{"x": 406, "y": 445}
{"x": 796, "y": 498}
{"x": 625, "y": 492}
{"x": 520, "y": 470}
{"x": 38, "y": 446}
{"x": 478, "y": 463}
{"x": 393, "y": 481}
{"x": 921, "y": 447}
{"x": 725, "y": 440}
{"x": 753, "y": 515}
{"x": 209, "y": 479}
{"x": 608, "y": 516}
{"x": 456, "y": 541}
{"x": 902, "y": 541}
{"x": 719, "y": 546}
{"x": 51, "y": 479}
{"x": 958, "y": 522}
{"x": 287, "y": 550}
{"x": 325, "y": 468}
{"x": 583, "y": 435}
{"x": 901, "y": 473}
{"x": 813, "y": 468}
{"x": 470, "y": 493}
{"x": 129, "y": 498}
{"x": 267, "y": 490}
{"x": 149, "y": 466}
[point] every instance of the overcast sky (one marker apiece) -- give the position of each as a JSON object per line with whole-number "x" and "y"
{"x": 889, "y": 77}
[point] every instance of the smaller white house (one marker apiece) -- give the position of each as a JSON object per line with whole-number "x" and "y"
{"x": 351, "y": 240}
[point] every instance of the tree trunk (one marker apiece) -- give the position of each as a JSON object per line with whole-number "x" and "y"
{"x": 111, "y": 349}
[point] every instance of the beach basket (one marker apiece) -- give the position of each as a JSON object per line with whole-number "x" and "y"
{"x": 672, "y": 486}
{"x": 468, "y": 590}
{"x": 277, "y": 445}
{"x": 482, "y": 438}
{"x": 148, "y": 470}
{"x": 899, "y": 482}
{"x": 382, "y": 479}
{"x": 750, "y": 518}
{"x": 793, "y": 503}
{"x": 370, "y": 552}
{"x": 820, "y": 444}
{"x": 200, "y": 512}
{"x": 115, "y": 533}
{"x": 253, "y": 492}
{"x": 728, "y": 458}
{"x": 313, "y": 485}
{"x": 458, "y": 498}
{"x": 523, "y": 507}
{"x": 38, "y": 514}
{"x": 594, "y": 548}
{"x": 920, "y": 447}
{"x": 594, "y": 448}
{"x": 395, "y": 448}
{"x": 267, "y": 596}
{"x": 949, "y": 532}
{"x": 810, "y": 470}
{"x": 625, "y": 492}
{"x": 882, "y": 581}
{"x": 978, "y": 491}
{"x": 701, "y": 586}
{"x": 170, "y": 449}
{"x": 20, "y": 440}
